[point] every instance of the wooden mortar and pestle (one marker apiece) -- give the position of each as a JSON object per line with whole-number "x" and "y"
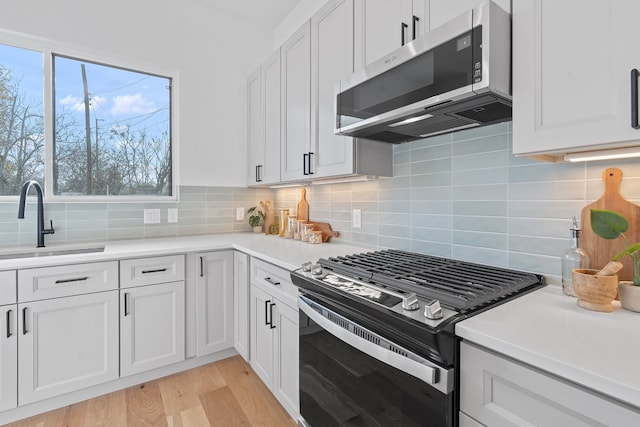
{"x": 596, "y": 289}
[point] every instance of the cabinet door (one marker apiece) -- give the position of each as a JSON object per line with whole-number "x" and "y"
{"x": 261, "y": 334}
{"x": 331, "y": 60}
{"x": 285, "y": 372}
{"x": 571, "y": 86}
{"x": 151, "y": 327}
{"x": 380, "y": 27}
{"x": 8, "y": 357}
{"x": 296, "y": 105}
{"x": 67, "y": 344}
{"x": 255, "y": 137}
{"x": 241, "y": 303}
{"x": 271, "y": 123}
{"x": 214, "y": 300}
{"x": 441, "y": 11}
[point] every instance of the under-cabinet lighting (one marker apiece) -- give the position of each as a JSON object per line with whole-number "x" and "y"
{"x": 286, "y": 185}
{"x": 345, "y": 179}
{"x": 614, "y": 153}
{"x": 411, "y": 120}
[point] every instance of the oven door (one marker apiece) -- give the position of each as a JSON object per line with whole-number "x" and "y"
{"x": 350, "y": 376}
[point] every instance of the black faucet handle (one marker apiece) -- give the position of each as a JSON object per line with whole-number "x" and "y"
{"x": 50, "y": 230}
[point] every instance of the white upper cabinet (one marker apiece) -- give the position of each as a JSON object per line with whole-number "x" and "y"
{"x": 441, "y": 11}
{"x": 254, "y": 134}
{"x": 571, "y": 75}
{"x": 381, "y": 26}
{"x": 296, "y": 106}
{"x": 331, "y": 60}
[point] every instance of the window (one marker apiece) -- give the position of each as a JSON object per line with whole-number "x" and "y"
{"x": 106, "y": 133}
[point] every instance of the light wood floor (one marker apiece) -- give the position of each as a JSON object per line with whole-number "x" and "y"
{"x": 225, "y": 393}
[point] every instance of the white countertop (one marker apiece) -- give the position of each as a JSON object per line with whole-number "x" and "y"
{"x": 285, "y": 253}
{"x": 548, "y": 330}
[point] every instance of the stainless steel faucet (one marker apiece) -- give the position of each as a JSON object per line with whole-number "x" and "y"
{"x": 23, "y": 202}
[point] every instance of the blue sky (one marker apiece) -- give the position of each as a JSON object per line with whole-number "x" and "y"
{"x": 117, "y": 96}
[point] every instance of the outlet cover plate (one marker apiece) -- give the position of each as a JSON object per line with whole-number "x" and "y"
{"x": 239, "y": 214}
{"x": 172, "y": 215}
{"x": 357, "y": 218}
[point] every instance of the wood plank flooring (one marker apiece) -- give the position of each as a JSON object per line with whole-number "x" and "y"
{"x": 225, "y": 393}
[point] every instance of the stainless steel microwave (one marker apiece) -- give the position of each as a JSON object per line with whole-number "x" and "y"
{"x": 455, "y": 77}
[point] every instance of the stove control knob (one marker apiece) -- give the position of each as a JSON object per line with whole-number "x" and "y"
{"x": 433, "y": 310}
{"x": 410, "y": 302}
{"x": 316, "y": 269}
{"x": 306, "y": 267}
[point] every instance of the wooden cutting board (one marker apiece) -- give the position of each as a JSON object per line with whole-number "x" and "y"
{"x": 325, "y": 227}
{"x": 602, "y": 250}
{"x": 303, "y": 207}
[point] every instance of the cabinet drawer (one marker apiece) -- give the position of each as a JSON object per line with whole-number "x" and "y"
{"x": 66, "y": 280}
{"x": 148, "y": 271}
{"x": 8, "y": 289}
{"x": 498, "y": 391}
{"x": 274, "y": 280}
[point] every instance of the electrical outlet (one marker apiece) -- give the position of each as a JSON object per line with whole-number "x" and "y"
{"x": 357, "y": 218}
{"x": 172, "y": 215}
{"x": 152, "y": 216}
{"x": 239, "y": 214}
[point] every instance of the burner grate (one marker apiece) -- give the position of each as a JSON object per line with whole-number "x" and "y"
{"x": 457, "y": 284}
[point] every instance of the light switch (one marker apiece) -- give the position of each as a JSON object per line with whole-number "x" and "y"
{"x": 357, "y": 218}
{"x": 152, "y": 216}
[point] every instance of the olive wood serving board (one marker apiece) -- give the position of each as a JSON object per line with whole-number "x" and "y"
{"x": 602, "y": 250}
{"x": 303, "y": 207}
{"x": 325, "y": 227}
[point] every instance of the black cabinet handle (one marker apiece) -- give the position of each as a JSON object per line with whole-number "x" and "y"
{"x": 201, "y": 267}
{"x": 305, "y": 159}
{"x": 266, "y": 312}
{"x": 634, "y": 99}
{"x": 310, "y": 171}
{"x": 8, "y": 323}
{"x": 24, "y": 321}
{"x": 158, "y": 270}
{"x": 77, "y": 279}
{"x": 259, "y": 173}
{"x": 126, "y": 304}
{"x": 272, "y": 326}
{"x": 415, "y": 20}
{"x": 403, "y": 27}
{"x": 271, "y": 281}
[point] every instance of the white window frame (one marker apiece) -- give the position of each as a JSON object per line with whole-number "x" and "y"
{"x": 48, "y": 48}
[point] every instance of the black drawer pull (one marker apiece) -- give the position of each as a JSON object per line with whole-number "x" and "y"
{"x": 415, "y": 20}
{"x": 159, "y": 270}
{"x": 77, "y": 279}
{"x": 269, "y": 280}
{"x": 201, "y": 266}
{"x": 8, "y": 323}
{"x": 126, "y": 304}
{"x": 24, "y": 321}
{"x": 634, "y": 99}
{"x": 403, "y": 26}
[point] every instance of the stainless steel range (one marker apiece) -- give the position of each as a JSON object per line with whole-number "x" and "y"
{"x": 377, "y": 339}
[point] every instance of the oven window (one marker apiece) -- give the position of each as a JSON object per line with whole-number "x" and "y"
{"x": 342, "y": 386}
{"x": 447, "y": 67}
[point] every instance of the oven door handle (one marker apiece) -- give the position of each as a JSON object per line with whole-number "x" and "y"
{"x": 433, "y": 375}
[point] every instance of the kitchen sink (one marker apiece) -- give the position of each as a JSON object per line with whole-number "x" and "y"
{"x": 36, "y": 253}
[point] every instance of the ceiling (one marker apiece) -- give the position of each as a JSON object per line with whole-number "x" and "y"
{"x": 266, "y": 13}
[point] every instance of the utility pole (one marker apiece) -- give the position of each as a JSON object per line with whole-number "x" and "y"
{"x": 97, "y": 153}
{"x": 87, "y": 125}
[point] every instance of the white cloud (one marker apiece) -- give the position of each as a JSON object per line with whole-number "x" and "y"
{"x": 131, "y": 104}
{"x": 74, "y": 102}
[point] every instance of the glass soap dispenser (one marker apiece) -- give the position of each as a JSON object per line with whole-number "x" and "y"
{"x": 573, "y": 257}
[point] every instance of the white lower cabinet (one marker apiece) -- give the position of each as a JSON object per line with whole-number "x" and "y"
{"x": 8, "y": 356}
{"x": 274, "y": 333}
{"x": 152, "y": 327}
{"x": 241, "y": 303}
{"x": 499, "y": 391}
{"x": 214, "y": 302}
{"x": 66, "y": 344}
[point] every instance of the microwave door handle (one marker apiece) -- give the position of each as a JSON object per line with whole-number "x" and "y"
{"x": 634, "y": 99}
{"x": 403, "y": 26}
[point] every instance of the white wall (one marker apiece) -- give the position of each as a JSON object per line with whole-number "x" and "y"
{"x": 294, "y": 20}
{"x": 212, "y": 51}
